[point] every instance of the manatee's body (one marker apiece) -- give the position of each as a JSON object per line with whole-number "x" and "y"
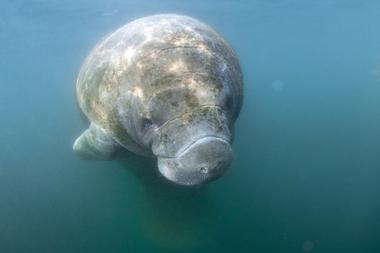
{"x": 166, "y": 86}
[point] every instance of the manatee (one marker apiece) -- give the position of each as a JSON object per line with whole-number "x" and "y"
{"x": 163, "y": 86}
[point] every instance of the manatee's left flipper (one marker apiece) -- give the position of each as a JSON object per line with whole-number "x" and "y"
{"x": 95, "y": 144}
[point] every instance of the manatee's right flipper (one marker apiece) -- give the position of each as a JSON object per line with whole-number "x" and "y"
{"x": 95, "y": 144}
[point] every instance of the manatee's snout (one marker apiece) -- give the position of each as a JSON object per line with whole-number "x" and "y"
{"x": 202, "y": 161}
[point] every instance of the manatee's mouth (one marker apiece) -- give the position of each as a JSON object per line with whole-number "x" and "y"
{"x": 200, "y": 162}
{"x": 185, "y": 179}
{"x": 199, "y": 141}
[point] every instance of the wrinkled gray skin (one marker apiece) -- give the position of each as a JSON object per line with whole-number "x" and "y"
{"x": 166, "y": 86}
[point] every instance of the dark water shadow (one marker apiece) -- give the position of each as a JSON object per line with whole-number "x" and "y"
{"x": 174, "y": 218}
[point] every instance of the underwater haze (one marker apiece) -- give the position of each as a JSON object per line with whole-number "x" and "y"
{"x": 306, "y": 169}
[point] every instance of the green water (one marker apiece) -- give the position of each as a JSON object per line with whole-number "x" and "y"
{"x": 306, "y": 174}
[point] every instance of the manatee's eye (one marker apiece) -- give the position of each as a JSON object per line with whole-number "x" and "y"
{"x": 203, "y": 170}
{"x": 146, "y": 123}
{"x": 219, "y": 164}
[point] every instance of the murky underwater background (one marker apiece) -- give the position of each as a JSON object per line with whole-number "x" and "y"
{"x": 306, "y": 174}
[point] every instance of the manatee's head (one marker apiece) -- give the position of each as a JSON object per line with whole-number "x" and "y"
{"x": 200, "y": 162}
{"x": 188, "y": 131}
{"x": 186, "y": 123}
{"x": 194, "y": 148}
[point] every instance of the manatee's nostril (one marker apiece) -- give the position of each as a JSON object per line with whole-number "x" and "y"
{"x": 203, "y": 170}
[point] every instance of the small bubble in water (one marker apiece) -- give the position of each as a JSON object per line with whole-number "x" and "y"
{"x": 308, "y": 246}
{"x": 376, "y": 75}
{"x": 278, "y": 86}
{"x": 109, "y": 13}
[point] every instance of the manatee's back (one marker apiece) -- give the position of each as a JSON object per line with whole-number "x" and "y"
{"x": 101, "y": 75}
{"x": 100, "y": 78}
